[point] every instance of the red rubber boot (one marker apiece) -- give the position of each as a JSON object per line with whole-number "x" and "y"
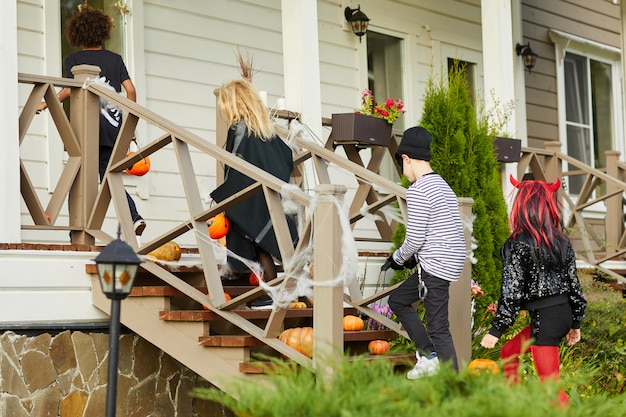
{"x": 547, "y": 362}
{"x": 510, "y": 354}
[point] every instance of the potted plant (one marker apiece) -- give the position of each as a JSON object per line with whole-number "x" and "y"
{"x": 371, "y": 124}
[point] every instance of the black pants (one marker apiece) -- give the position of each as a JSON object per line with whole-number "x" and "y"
{"x": 105, "y": 155}
{"x": 550, "y": 325}
{"x": 436, "y": 336}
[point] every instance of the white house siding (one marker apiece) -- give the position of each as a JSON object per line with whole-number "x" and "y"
{"x": 180, "y": 51}
{"x": 595, "y": 20}
{"x": 187, "y": 49}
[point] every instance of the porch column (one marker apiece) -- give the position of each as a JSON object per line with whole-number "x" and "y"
{"x": 10, "y": 155}
{"x": 85, "y": 120}
{"x": 301, "y": 62}
{"x": 501, "y": 30}
{"x": 327, "y": 259}
{"x": 460, "y": 305}
{"x": 614, "y": 222}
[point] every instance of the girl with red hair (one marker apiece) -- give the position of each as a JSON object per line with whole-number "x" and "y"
{"x": 538, "y": 275}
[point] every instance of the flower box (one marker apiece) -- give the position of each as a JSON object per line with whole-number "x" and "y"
{"x": 354, "y": 127}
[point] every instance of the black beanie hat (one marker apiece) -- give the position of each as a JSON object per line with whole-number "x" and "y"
{"x": 415, "y": 144}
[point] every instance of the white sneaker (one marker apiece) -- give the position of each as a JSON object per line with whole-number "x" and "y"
{"x": 424, "y": 367}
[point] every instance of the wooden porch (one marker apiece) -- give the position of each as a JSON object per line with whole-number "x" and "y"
{"x": 221, "y": 339}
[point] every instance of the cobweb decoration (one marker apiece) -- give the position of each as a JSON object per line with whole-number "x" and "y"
{"x": 102, "y": 82}
{"x": 297, "y": 268}
{"x": 468, "y": 224}
{"x": 390, "y": 213}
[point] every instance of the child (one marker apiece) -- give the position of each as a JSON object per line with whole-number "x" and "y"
{"x": 434, "y": 236}
{"x": 538, "y": 275}
{"x": 90, "y": 28}
{"x": 252, "y": 136}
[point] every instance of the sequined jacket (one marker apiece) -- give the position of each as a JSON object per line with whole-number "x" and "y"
{"x": 529, "y": 284}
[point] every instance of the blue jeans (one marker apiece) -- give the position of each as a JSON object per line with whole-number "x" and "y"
{"x": 436, "y": 336}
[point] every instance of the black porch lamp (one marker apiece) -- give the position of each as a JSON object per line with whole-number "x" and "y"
{"x": 528, "y": 55}
{"x": 357, "y": 19}
{"x": 117, "y": 265}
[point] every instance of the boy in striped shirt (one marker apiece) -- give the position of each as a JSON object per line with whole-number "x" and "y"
{"x": 434, "y": 239}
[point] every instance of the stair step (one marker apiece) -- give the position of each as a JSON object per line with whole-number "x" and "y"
{"x": 206, "y": 315}
{"x": 229, "y": 341}
{"x": 168, "y": 291}
{"x": 247, "y": 340}
{"x": 263, "y": 367}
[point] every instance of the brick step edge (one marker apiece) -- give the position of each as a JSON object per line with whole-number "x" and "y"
{"x": 207, "y": 315}
{"x": 245, "y": 340}
{"x": 265, "y": 367}
{"x": 168, "y": 291}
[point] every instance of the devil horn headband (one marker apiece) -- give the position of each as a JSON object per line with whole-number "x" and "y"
{"x": 552, "y": 187}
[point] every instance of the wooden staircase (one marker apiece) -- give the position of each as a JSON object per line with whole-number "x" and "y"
{"x": 203, "y": 340}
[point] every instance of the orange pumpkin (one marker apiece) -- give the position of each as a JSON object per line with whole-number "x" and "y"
{"x": 253, "y": 279}
{"x": 218, "y": 226}
{"x": 169, "y": 251}
{"x": 140, "y": 168}
{"x": 297, "y": 304}
{"x": 300, "y": 339}
{"x": 353, "y": 323}
{"x": 226, "y": 296}
{"x": 479, "y": 366}
{"x": 378, "y": 347}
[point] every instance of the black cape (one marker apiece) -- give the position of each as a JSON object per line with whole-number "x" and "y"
{"x": 250, "y": 223}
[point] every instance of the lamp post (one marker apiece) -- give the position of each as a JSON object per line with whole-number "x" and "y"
{"x": 117, "y": 265}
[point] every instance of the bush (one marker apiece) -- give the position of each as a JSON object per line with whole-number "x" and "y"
{"x": 361, "y": 388}
{"x": 463, "y": 154}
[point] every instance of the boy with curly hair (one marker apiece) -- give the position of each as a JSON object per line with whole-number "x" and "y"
{"x": 89, "y": 28}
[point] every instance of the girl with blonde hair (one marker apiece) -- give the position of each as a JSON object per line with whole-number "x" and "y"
{"x": 252, "y": 137}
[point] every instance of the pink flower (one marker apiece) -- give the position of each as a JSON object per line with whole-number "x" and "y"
{"x": 476, "y": 290}
{"x": 390, "y": 110}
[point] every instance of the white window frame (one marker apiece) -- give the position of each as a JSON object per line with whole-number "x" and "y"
{"x": 564, "y": 42}
{"x": 448, "y": 51}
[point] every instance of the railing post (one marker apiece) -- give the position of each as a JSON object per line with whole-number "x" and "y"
{"x": 327, "y": 259}
{"x": 614, "y": 223}
{"x": 460, "y": 305}
{"x": 552, "y": 167}
{"x": 85, "y": 120}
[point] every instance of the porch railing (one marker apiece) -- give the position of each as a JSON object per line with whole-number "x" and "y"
{"x": 322, "y": 246}
{"x": 600, "y": 198}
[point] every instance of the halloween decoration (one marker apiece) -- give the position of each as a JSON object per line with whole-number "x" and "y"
{"x": 353, "y": 323}
{"x": 170, "y": 251}
{"x": 479, "y": 366}
{"x": 140, "y": 168}
{"x": 300, "y": 339}
{"x": 218, "y": 226}
{"x": 378, "y": 347}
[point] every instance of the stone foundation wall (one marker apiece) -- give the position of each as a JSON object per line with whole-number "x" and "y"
{"x": 66, "y": 375}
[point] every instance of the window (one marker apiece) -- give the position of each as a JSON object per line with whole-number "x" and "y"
{"x": 589, "y": 101}
{"x": 469, "y": 72}
{"x": 588, "y": 112}
{"x": 385, "y": 79}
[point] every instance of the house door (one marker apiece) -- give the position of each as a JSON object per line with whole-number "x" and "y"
{"x": 386, "y": 80}
{"x": 114, "y": 8}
